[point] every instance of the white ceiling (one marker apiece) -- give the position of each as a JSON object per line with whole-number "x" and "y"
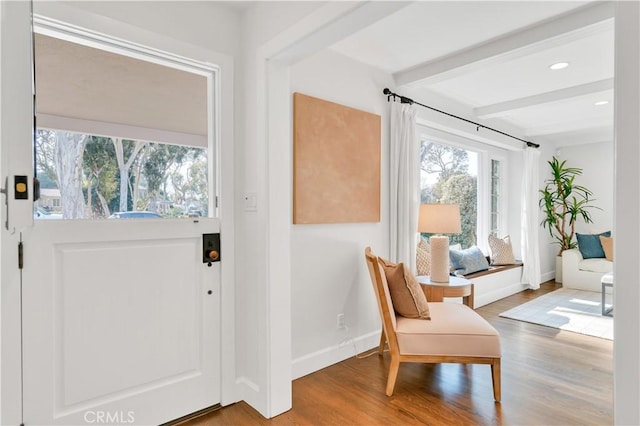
{"x": 493, "y": 58}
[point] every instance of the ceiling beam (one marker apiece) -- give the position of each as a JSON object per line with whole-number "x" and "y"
{"x": 496, "y": 110}
{"x": 589, "y": 136}
{"x": 558, "y": 31}
{"x": 352, "y": 18}
{"x": 567, "y": 126}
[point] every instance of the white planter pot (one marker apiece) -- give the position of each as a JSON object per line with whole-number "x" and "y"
{"x": 559, "y": 269}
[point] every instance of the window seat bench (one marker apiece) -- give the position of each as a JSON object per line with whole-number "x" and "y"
{"x": 496, "y": 283}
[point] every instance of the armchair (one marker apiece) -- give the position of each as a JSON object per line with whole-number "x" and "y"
{"x": 455, "y": 333}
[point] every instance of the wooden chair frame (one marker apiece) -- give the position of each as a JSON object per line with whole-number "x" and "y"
{"x": 389, "y": 331}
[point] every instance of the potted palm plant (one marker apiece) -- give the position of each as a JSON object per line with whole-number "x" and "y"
{"x": 564, "y": 202}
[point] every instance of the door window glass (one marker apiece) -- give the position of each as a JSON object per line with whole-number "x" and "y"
{"x": 94, "y": 177}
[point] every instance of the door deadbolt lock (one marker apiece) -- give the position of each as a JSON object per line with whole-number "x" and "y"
{"x": 210, "y": 248}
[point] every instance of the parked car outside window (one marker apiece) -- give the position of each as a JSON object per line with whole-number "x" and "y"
{"x": 134, "y": 215}
{"x": 41, "y": 213}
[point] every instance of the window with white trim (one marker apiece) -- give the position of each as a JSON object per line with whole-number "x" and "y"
{"x": 123, "y": 131}
{"x": 449, "y": 175}
{"x": 454, "y": 170}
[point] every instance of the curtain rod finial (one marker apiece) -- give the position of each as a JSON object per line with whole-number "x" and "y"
{"x": 386, "y": 91}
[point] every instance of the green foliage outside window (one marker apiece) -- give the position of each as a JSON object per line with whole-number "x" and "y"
{"x": 454, "y": 185}
{"x": 97, "y": 176}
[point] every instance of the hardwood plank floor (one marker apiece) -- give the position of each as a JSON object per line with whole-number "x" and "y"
{"x": 549, "y": 377}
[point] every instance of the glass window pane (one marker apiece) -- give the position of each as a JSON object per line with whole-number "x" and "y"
{"x": 494, "y": 205}
{"x": 494, "y": 222}
{"x": 495, "y": 196}
{"x": 450, "y": 175}
{"x": 495, "y": 168}
{"x": 94, "y": 177}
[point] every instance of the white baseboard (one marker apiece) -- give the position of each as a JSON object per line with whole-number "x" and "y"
{"x": 250, "y": 392}
{"x": 348, "y": 348}
{"x": 548, "y": 276}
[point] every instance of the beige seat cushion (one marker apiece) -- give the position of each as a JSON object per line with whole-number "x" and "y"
{"x": 454, "y": 329}
{"x": 596, "y": 264}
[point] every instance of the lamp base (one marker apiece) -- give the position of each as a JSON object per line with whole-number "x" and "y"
{"x": 439, "y": 258}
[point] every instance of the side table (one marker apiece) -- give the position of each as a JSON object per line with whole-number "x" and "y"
{"x": 456, "y": 287}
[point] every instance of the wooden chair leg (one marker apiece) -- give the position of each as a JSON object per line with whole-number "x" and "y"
{"x": 495, "y": 378}
{"x": 393, "y": 375}
{"x": 383, "y": 341}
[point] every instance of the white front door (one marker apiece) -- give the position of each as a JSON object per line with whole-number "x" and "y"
{"x": 109, "y": 321}
{"x": 121, "y": 321}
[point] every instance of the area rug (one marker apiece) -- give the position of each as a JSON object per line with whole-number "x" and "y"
{"x": 567, "y": 309}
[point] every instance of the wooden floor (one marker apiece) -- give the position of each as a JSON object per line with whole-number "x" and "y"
{"x": 549, "y": 377}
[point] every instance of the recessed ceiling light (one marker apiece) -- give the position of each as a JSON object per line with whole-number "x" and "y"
{"x": 601, "y": 103}
{"x": 559, "y": 65}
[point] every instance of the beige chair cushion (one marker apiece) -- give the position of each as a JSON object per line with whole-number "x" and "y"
{"x": 423, "y": 257}
{"x": 454, "y": 330}
{"x": 406, "y": 294}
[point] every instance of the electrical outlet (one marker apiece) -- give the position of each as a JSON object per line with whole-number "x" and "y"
{"x": 340, "y": 321}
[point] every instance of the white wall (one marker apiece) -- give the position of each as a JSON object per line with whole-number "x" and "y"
{"x": 265, "y": 287}
{"x": 596, "y": 162}
{"x": 257, "y": 335}
{"x": 328, "y": 271}
{"x": 626, "y": 349}
{"x": 548, "y": 248}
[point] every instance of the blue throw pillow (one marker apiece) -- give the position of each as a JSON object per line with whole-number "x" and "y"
{"x": 468, "y": 261}
{"x": 590, "y": 245}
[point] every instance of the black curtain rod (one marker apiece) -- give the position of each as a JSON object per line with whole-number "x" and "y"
{"x": 405, "y": 100}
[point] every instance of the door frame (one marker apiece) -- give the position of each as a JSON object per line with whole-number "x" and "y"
{"x": 16, "y": 125}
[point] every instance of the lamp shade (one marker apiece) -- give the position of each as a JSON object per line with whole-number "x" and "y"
{"x": 439, "y": 218}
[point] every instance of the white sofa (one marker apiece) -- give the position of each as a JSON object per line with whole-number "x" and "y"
{"x": 583, "y": 274}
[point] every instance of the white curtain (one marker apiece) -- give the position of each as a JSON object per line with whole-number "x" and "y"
{"x": 530, "y": 222}
{"x": 403, "y": 200}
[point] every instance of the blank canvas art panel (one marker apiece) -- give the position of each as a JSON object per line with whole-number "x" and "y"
{"x": 336, "y": 163}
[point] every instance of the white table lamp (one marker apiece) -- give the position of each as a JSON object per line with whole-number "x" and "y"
{"x": 439, "y": 219}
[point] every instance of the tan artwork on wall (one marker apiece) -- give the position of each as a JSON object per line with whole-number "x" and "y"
{"x": 336, "y": 163}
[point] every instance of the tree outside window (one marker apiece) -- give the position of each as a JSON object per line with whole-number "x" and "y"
{"x": 97, "y": 176}
{"x": 449, "y": 175}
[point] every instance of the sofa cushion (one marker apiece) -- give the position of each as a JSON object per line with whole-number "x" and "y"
{"x": 468, "y": 261}
{"x": 607, "y": 246}
{"x": 454, "y": 329}
{"x": 406, "y": 294}
{"x": 590, "y": 246}
{"x": 599, "y": 265}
